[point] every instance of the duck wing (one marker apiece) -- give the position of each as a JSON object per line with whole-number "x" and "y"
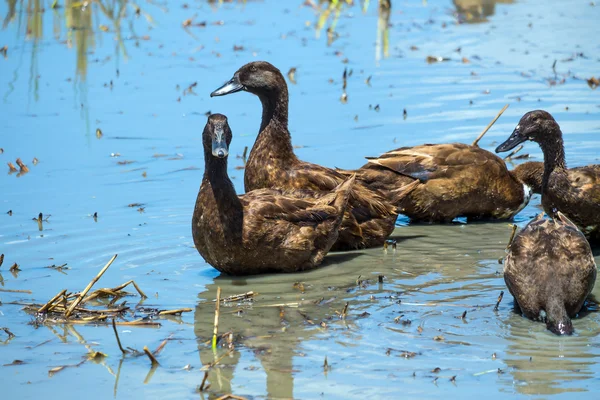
{"x": 585, "y": 178}
{"x": 432, "y": 161}
{"x": 364, "y": 203}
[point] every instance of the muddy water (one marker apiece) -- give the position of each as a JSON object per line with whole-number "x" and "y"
{"x": 143, "y": 79}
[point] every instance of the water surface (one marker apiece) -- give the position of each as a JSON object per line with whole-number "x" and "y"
{"x": 143, "y": 79}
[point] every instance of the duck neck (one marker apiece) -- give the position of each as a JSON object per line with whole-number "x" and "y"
{"x": 274, "y": 126}
{"x": 216, "y": 178}
{"x": 554, "y": 155}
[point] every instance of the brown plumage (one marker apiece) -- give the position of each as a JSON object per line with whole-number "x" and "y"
{"x": 264, "y": 230}
{"x": 452, "y": 180}
{"x": 532, "y": 173}
{"x": 575, "y": 193}
{"x": 550, "y": 267}
{"x": 273, "y": 164}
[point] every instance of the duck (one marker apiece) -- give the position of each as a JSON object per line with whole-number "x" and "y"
{"x": 451, "y": 180}
{"x": 575, "y": 193}
{"x": 550, "y": 270}
{"x": 532, "y": 172}
{"x": 273, "y": 164}
{"x": 264, "y": 230}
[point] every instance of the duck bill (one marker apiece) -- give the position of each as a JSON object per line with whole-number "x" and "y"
{"x": 232, "y": 86}
{"x": 219, "y": 145}
{"x": 513, "y": 141}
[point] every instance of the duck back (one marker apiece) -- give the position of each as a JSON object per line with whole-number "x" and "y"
{"x": 550, "y": 270}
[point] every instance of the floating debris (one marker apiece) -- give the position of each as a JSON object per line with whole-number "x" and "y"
{"x": 11, "y": 168}
{"x": 292, "y": 75}
{"x": 1, "y": 259}
{"x": 14, "y": 268}
{"x": 593, "y": 82}
{"x": 435, "y": 59}
{"x": 59, "y": 268}
{"x": 71, "y": 308}
{"x": 15, "y": 362}
{"x": 8, "y": 332}
{"x": 499, "y": 300}
{"x": 153, "y": 359}
{"x": 4, "y": 51}
{"x": 388, "y": 243}
{"x": 99, "y": 133}
{"x": 22, "y": 166}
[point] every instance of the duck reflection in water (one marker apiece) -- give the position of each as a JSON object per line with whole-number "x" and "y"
{"x": 476, "y": 11}
{"x": 273, "y": 334}
{"x": 543, "y": 364}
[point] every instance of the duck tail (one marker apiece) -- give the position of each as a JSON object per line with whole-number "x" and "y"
{"x": 557, "y": 319}
{"x": 343, "y": 192}
{"x": 397, "y": 195}
{"x": 339, "y": 197}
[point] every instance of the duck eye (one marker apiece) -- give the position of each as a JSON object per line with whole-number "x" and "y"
{"x": 253, "y": 68}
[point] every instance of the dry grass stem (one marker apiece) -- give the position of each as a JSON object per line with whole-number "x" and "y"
{"x": 201, "y": 388}
{"x": 117, "y": 336}
{"x": 52, "y": 300}
{"x": 15, "y": 291}
{"x": 88, "y": 287}
{"x": 238, "y": 297}
{"x": 512, "y": 236}
{"x": 216, "y": 325}
{"x": 499, "y": 300}
{"x": 512, "y": 153}
{"x": 151, "y": 357}
{"x": 175, "y": 312}
{"x": 487, "y": 128}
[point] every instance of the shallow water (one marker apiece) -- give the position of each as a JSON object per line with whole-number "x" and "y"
{"x": 59, "y": 85}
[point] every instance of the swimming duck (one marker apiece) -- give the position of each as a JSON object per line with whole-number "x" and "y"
{"x": 452, "y": 180}
{"x": 550, "y": 267}
{"x": 273, "y": 164}
{"x": 263, "y": 230}
{"x": 532, "y": 172}
{"x": 576, "y": 194}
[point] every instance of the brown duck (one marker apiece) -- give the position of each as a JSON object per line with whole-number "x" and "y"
{"x": 550, "y": 267}
{"x": 575, "y": 193}
{"x": 452, "y": 180}
{"x": 273, "y": 164}
{"x": 263, "y": 230}
{"x": 532, "y": 173}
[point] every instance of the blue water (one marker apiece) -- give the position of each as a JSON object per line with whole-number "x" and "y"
{"x": 55, "y": 92}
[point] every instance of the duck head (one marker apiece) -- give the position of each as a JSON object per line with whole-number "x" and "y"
{"x": 217, "y": 136}
{"x": 536, "y": 126}
{"x": 258, "y": 77}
